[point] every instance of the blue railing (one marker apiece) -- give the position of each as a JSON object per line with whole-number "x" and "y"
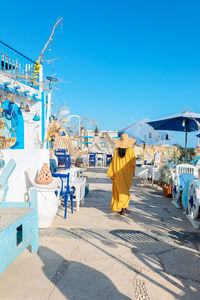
{"x": 18, "y": 66}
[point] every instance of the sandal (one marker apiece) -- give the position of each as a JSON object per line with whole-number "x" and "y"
{"x": 122, "y": 212}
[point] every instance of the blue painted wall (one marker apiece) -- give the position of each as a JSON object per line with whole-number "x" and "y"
{"x": 17, "y": 122}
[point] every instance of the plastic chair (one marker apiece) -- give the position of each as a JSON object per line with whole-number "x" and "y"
{"x": 108, "y": 159}
{"x": 64, "y": 160}
{"x": 77, "y": 182}
{"x": 65, "y": 194}
{"x": 100, "y": 159}
{"x": 63, "y": 151}
{"x": 183, "y": 173}
{"x": 92, "y": 159}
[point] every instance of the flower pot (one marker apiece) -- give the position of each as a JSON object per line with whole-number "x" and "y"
{"x": 167, "y": 190}
{"x": 164, "y": 186}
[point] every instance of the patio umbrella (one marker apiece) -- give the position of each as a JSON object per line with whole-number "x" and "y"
{"x": 185, "y": 121}
{"x": 144, "y": 134}
{"x": 198, "y": 135}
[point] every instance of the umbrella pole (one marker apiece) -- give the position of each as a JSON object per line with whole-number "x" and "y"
{"x": 186, "y": 140}
{"x": 186, "y": 134}
{"x": 144, "y": 149}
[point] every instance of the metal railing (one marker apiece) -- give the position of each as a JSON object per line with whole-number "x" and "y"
{"x": 18, "y": 66}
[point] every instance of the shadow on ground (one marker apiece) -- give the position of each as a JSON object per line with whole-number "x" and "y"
{"x": 168, "y": 246}
{"x": 148, "y": 253}
{"x": 148, "y": 208}
{"x": 76, "y": 280}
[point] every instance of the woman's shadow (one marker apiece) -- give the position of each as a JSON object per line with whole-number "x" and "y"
{"x": 76, "y": 280}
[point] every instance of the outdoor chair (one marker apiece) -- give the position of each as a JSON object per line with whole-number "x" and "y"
{"x": 92, "y": 159}
{"x": 108, "y": 159}
{"x": 183, "y": 173}
{"x": 76, "y": 182}
{"x": 64, "y": 160}
{"x": 64, "y": 151}
{"x": 65, "y": 192}
{"x": 100, "y": 159}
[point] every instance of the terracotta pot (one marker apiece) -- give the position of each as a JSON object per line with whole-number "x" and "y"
{"x": 167, "y": 190}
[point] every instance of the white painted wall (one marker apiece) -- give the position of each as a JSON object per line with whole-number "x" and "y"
{"x": 32, "y": 129}
{"x": 25, "y": 159}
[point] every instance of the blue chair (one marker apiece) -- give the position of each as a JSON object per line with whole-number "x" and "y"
{"x": 108, "y": 159}
{"x": 65, "y": 193}
{"x": 64, "y": 160}
{"x": 63, "y": 151}
{"x": 92, "y": 159}
{"x": 100, "y": 159}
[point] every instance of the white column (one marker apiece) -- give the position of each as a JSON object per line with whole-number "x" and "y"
{"x": 48, "y": 108}
{"x": 41, "y": 78}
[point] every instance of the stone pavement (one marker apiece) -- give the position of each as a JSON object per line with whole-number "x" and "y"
{"x": 151, "y": 253}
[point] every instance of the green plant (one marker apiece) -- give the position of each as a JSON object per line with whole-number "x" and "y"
{"x": 181, "y": 156}
{"x": 186, "y": 155}
{"x": 165, "y": 176}
{"x": 174, "y": 157}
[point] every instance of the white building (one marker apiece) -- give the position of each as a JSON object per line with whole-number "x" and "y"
{"x": 24, "y": 117}
{"x": 105, "y": 139}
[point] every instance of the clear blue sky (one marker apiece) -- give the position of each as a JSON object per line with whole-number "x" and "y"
{"x": 120, "y": 60}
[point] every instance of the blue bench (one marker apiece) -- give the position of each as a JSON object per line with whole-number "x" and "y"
{"x": 18, "y": 222}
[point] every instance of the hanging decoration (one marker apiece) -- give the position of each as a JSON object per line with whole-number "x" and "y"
{"x": 9, "y": 115}
{"x": 21, "y": 105}
{"x": 6, "y": 140}
{"x": 36, "y": 117}
{"x": 27, "y": 108}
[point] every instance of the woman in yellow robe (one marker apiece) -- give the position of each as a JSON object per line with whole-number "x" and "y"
{"x": 121, "y": 171}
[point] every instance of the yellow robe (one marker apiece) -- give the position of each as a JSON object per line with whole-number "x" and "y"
{"x": 121, "y": 170}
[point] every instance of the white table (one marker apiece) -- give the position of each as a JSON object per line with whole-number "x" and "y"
{"x": 141, "y": 172}
{"x": 153, "y": 173}
{"x": 148, "y": 172}
{"x": 75, "y": 173}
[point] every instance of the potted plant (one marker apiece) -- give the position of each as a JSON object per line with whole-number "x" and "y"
{"x": 166, "y": 180}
